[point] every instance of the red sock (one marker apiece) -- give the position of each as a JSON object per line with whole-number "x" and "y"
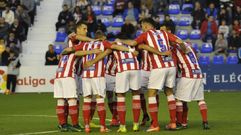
{"x": 101, "y": 111}
{"x": 61, "y": 115}
{"x": 143, "y": 104}
{"x": 92, "y": 108}
{"x": 136, "y": 107}
{"x": 73, "y": 112}
{"x": 86, "y": 111}
{"x": 203, "y": 110}
{"x": 185, "y": 113}
{"x": 179, "y": 111}
{"x": 121, "y": 109}
{"x": 153, "y": 110}
{"x": 172, "y": 108}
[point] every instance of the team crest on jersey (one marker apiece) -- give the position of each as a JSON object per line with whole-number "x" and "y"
{"x": 65, "y": 58}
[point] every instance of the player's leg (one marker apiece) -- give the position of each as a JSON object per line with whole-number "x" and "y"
{"x": 86, "y": 112}
{"x": 153, "y": 110}
{"x": 179, "y": 112}
{"x": 99, "y": 87}
{"x": 134, "y": 81}
{"x": 136, "y": 109}
{"x": 145, "y": 117}
{"x": 111, "y": 99}
{"x": 169, "y": 85}
{"x": 121, "y": 109}
{"x": 121, "y": 88}
{"x": 73, "y": 112}
{"x": 113, "y": 107}
{"x": 87, "y": 96}
{"x": 60, "y": 109}
{"x": 144, "y": 83}
{"x": 203, "y": 110}
{"x": 156, "y": 82}
{"x": 102, "y": 113}
{"x": 171, "y": 107}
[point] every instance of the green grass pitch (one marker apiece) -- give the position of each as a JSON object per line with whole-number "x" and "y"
{"x": 35, "y": 113}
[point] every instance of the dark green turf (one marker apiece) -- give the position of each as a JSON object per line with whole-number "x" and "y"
{"x": 224, "y": 115}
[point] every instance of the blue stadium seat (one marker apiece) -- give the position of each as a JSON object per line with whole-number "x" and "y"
{"x": 97, "y": 10}
{"x": 206, "y": 48}
{"x": 58, "y": 48}
{"x": 174, "y": 19}
{"x": 115, "y": 32}
{"x": 118, "y": 21}
{"x": 232, "y": 60}
{"x": 138, "y": 33}
{"x": 195, "y": 34}
{"x": 204, "y": 60}
{"x": 60, "y": 36}
{"x": 174, "y": 9}
{"x": 106, "y": 21}
{"x": 107, "y": 10}
{"x": 195, "y": 47}
{"x": 219, "y": 59}
{"x": 183, "y": 34}
{"x": 110, "y": 3}
{"x": 185, "y": 21}
{"x": 187, "y": 8}
{"x": 161, "y": 19}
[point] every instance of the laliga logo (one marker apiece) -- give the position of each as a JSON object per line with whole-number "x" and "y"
{"x": 35, "y": 82}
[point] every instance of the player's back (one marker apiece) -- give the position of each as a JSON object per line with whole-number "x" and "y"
{"x": 187, "y": 62}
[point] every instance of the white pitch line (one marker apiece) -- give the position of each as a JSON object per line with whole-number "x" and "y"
{"x": 48, "y": 116}
{"x": 38, "y": 133}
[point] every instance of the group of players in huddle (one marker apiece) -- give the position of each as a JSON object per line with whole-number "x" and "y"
{"x": 97, "y": 68}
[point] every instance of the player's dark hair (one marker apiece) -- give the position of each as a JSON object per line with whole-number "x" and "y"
{"x": 80, "y": 23}
{"x": 149, "y": 20}
{"x": 99, "y": 34}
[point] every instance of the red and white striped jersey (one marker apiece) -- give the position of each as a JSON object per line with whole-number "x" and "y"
{"x": 66, "y": 66}
{"x": 160, "y": 41}
{"x": 111, "y": 65}
{"x": 188, "y": 63}
{"x": 98, "y": 69}
{"x": 145, "y": 61}
{"x": 126, "y": 60}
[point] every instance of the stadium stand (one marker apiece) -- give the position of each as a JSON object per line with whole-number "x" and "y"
{"x": 219, "y": 59}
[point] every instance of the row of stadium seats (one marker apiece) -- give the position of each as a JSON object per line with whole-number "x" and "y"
{"x": 119, "y": 20}
{"x": 194, "y": 34}
{"x": 219, "y": 59}
{"x": 174, "y": 9}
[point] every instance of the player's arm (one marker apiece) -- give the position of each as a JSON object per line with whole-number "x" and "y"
{"x": 123, "y": 48}
{"x": 153, "y": 50}
{"x": 126, "y": 42}
{"x": 83, "y": 53}
{"x": 84, "y": 38}
{"x": 98, "y": 58}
